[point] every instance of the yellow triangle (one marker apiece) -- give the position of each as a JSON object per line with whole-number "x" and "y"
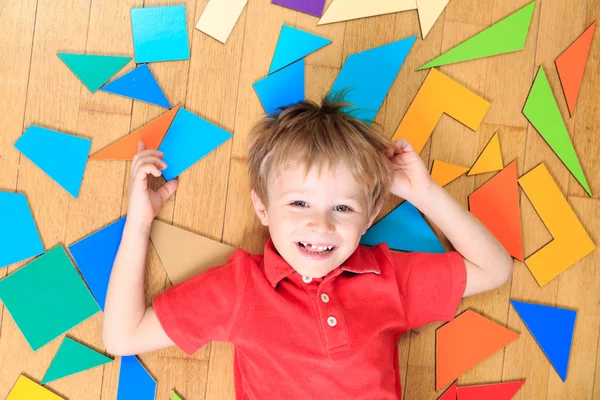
{"x": 443, "y": 173}
{"x": 490, "y": 158}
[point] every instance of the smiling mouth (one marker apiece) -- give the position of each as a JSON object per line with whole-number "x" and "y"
{"x": 310, "y": 248}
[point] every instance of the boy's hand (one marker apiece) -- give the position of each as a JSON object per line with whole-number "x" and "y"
{"x": 410, "y": 176}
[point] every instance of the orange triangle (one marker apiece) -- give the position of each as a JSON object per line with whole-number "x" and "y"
{"x": 152, "y": 134}
{"x": 465, "y": 342}
{"x": 493, "y": 391}
{"x": 571, "y": 65}
{"x": 443, "y": 173}
{"x": 490, "y": 158}
{"x": 496, "y": 205}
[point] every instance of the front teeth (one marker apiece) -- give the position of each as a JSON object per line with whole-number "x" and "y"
{"x": 316, "y": 248}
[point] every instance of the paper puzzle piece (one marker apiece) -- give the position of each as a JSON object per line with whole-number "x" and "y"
{"x": 47, "y": 297}
{"x": 151, "y": 134}
{"x": 138, "y": 84}
{"x": 294, "y": 44}
{"x": 464, "y": 342}
{"x": 505, "y": 36}
{"x": 450, "y": 393}
{"x": 443, "y": 173}
{"x": 429, "y": 11}
{"x": 185, "y": 254}
{"x": 438, "y": 95}
{"x": 219, "y": 18}
{"x": 571, "y": 65}
{"x": 282, "y": 88}
{"x": 571, "y": 242}
{"x": 159, "y": 34}
{"x": 366, "y": 77}
{"x": 73, "y": 357}
{"x": 134, "y": 381}
{"x": 490, "y": 158}
{"x": 95, "y": 256}
{"x": 404, "y": 229}
{"x": 496, "y": 205}
{"x": 495, "y": 391}
{"x": 543, "y": 113}
{"x": 19, "y": 236}
{"x": 26, "y": 389}
{"x": 61, "y": 156}
{"x": 312, "y": 7}
{"x": 93, "y": 70}
{"x": 188, "y": 140}
{"x": 175, "y": 396}
{"x": 552, "y": 328}
{"x": 344, "y": 10}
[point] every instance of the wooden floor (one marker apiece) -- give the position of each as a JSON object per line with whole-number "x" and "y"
{"x": 213, "y": 198}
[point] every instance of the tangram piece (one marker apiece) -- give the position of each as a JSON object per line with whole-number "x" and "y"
{"x": 47, "y": 297}
{"x": 185, "y": 254}
{"x": 344, "y": 10}
{"x": 294, "y": 44}
{"x": 495, "y": 391}
{"x": 19, "y": 237}
{"x": 571, "y": 242}
{"x": 188, "y": 140}
{"x": 443, "y": 173}
{"x": 543, "y": 113}
{"x": 73, "y": 357}
{"x": 26, "y": 389}
{"x": 366, "y": 77}
{"x": 312, "y": 7}
{"x": 450, "y": 393}
{"x": 93, "y": 70}
{"x": 61, "y": 156}
{"x": 438, "y": 95}
{"x": 282, "y": 88}
{"x": 571, "y": 65}
{"x": 219, "y": 18}
{"x": 134, "y": 381}
{"x": 552, "y": 328}
{"x": 405, "y": 229}
{"x": 490, "y": 158}
{"x": 159, "y": 34}
{"x": 175, "y": 395}
{"x": 505, "y": 36}
{"x": 95, "y": 256}
{"x": 464, "y": 342}
{"x": 429, "y": 11}
{"x": 138, "y": 84}
{"x": 151, "y": 134}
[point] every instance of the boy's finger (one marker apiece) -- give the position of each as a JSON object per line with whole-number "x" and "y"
{"x": 146, "y": 169}
{"x": 152, "y": 159}
{"x": 141, "y": 146}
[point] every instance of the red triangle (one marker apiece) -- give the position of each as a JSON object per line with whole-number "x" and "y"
{"x": 495, "y": 391}
{"x": 450, "y": 393}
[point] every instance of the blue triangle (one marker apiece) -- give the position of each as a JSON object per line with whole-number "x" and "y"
{"x": 366, "y": 77}
{"x": 188, "y": 140}
{"x": 95, "y": 255}
{"x": 294, "y": 44}
{"x": 552, "y": 328}
{"x": 63, "y": 157}
{"x": 138, "y": 84}
{"x": 134, "y": 381}
{"x": 404, "y": 229}
{"x": 282, "y": 88}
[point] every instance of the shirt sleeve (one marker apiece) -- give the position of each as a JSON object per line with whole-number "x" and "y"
{"x": 205, "y": 307}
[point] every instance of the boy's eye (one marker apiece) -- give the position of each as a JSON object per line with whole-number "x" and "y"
{"x": 299, "y": 203}
{"x": 342, "y": 208}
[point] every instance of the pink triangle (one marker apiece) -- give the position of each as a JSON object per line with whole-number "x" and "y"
{"x": 450, "y": 393}
{"x": 495, "y": 391}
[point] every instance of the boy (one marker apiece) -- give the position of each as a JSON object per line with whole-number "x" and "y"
{"x": 317, "y": 316}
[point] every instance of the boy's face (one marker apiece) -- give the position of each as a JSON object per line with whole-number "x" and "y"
{"x": 327, "y": 211}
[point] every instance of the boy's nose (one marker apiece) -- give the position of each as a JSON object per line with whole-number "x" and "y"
{"x": 321, "y": 223}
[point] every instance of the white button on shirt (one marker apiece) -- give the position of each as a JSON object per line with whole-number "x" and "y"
{"x": 307, "y": 279}
{"x": 325, "y": 298}
{"x": 332, "y": 321}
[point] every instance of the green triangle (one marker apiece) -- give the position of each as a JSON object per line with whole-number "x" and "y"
{"x": 175, "y": 396}
{"x": 504, "y": 36}
{"x": 73, "y": 357}
{"x": 93, "y": 70}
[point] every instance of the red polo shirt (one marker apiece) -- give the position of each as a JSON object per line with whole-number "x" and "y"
{"x": 322, "y": 338}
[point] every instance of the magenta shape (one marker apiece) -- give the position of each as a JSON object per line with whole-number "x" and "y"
{"x": 312, "y": 7}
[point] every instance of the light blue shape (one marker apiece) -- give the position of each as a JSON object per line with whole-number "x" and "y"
{"x": 282, "y": 88}
{"x": 188, "y": 140}
{"x": 294, "y": 44}
{"x": 552, "y": 328}
{"x": 138, "y": 84}
{"x": 95, "y": 256}
{"x": 61, "y": 156}
{"x": 135, "y": 383}
{"x": 366, "y": 77}
{"x": 159, "y": 34}
{"x": 19, "y": 237}
{"x": 404, "y": 229}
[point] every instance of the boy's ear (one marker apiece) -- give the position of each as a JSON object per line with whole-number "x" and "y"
{"x": 373, "y": 216}
{"x": 259, "y": 208}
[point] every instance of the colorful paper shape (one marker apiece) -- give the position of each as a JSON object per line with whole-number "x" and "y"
{"x": 61, "y": 156}
{"x": 552, "y": 328}
{"x": 282, "y": 88}
{"x": 95, "y": 256}
{"x": 571, "y": 242}
{"x": 26, "y": 389}
{"x": 443, "y": 173}
{"x": 159, "y": 34}
{"x": 438, "y": 95}
{"x": 294, "y": 44}
{"x": 405, "y": 229}
{"x": 345, "y": 10}
{"x": 219, "y": 18}
{"x": 543, "y": 113}
{"x": 366, "y": 77}
{"x": 450, "y": 393}
{"x": 19, "y": 236}
{"x": 490, "y": 158}
{"x": 494, "y": 391}
{"x": 134, "y": 381}
{"x": 571, "y": 65}
{"x": 505, "y": 36}
{"x": 47, "y": 297}
{"x": 429, "y": 11}
{"x": 73, "y": 357}
{"x": 175, "y": 395}
{"x": 188, "y": 140}
{"x": 312, "y": 7}
{"x": 138, "y": 84}
{"x": 93, "y": 70}
{"x": 464, "y": 342}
